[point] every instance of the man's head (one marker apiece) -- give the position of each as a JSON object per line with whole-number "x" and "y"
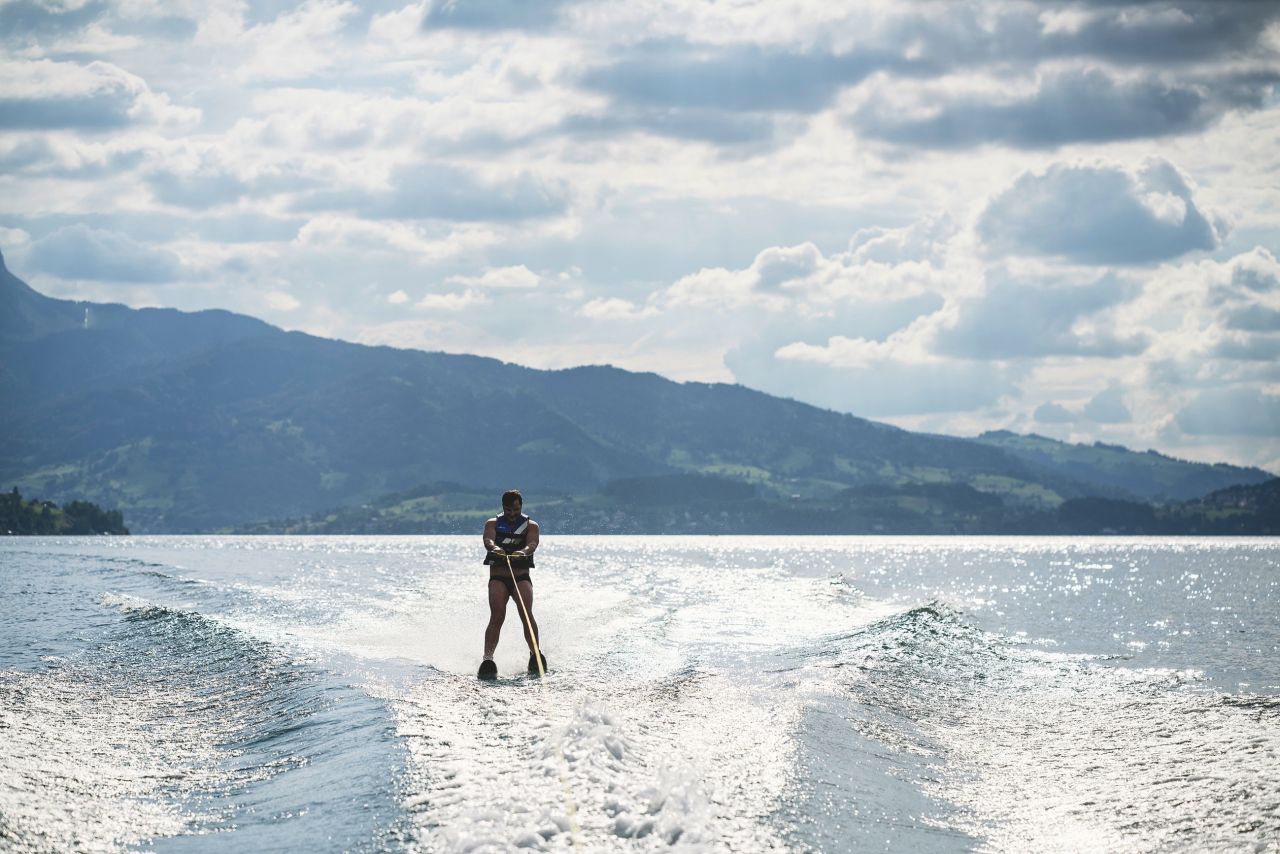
{"x": 512, "y": 502}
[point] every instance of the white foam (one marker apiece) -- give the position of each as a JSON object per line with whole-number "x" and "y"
{"x": 123, "y": 602}
{"x": 655, "y": 765}
{"x": 85, "y": 762}
{"x": 1065, "y": 754}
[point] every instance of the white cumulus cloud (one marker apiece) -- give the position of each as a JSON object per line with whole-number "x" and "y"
{"x": 518, "y": 277}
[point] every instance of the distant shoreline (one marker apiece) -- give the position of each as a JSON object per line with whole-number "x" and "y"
{"x": 36, "y": 518}
{"x": 1237, "y": 512}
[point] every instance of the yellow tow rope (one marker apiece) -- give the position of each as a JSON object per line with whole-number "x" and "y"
{"x": 570, "y": 807}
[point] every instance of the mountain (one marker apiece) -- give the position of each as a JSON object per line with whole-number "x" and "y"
{"x": 1149, "y": 476}
{"x": 205, "y": 420}
{"x": 27, "y": 315}
{"x": 1251, "y": 509}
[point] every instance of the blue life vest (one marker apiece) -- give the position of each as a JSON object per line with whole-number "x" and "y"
{"x": 510, "y": 537}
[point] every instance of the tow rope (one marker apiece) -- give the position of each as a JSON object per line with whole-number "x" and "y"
{"x": 570, "y": 806}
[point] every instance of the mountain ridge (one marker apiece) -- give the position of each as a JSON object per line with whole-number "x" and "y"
{"x": 199, "y": 421}
{"x": 1164, "y": 478}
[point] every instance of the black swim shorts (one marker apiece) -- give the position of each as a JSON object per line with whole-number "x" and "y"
{"x": 506, "y": 579}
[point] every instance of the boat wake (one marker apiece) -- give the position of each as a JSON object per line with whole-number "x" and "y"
{"x": 302, "y": 694}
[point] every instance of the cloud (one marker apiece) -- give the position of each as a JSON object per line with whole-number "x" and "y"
{"x": 728, "y": 95}
{"x": 1248, "y": 348}
{"x": 452, "y": 302}
{"x": 280, "y": 301}
{"x": 1231, "y": 412}
{"x": 1099, "y": 214}
{"x": 440, "y": 191}
{"x": 1255, "y": 271}
{"x": 103, "y": 102}
{"x": 768, "y": 314}
{"x": 672, "y": 86}
{"x": 709, "y": 287}
{"x": 739, "y": 78}
{"x": 640, "y": 236}
{"x": 198, "y": 190}
{"x": 80, "y": 252}
{"x": 30, "y": 20}
{"x": 763, "y": 316}
{"x": 613, "y": 308}
{"x": 1108, "y": 407}
{"x": 13, "y": 238}
{"x": 802, "y": 279}
{"x": 152, "y": 25}
{"x": 241, "y": 227}
{"x": 98, "y": 96}
{"x": 298, "y": 43}
{"x": 729, "y": 88}
{"x": 72, "y": 161}
{"x": 492, "y": 14}
{"x": 518, "y": 277}
{"x": 1254, "y": 318}
{"x": 853, "y": 375}
{"x": 756, "y": 337}
{"x": 700, "y": 125}
{"x": 1119, "y": 32}
{"x": 924, "y": 241}
{"x": 1053, "y": 413}
{"x": 398, "y": 242}
{"x": 1188, "y": 31}
{"x": 229, "y": 227}
{"x": 24, "y": 153}
{"x": 779, "y": 265}
{"x": 1080, "y": 105}
{"x": 1241, "y": 307}
{"x": 1016, "y": 318}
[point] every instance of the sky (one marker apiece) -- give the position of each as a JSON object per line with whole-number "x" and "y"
{"x": 1049, "y": 217}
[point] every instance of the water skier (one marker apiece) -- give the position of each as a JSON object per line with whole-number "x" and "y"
{"x": 509, "y": 542}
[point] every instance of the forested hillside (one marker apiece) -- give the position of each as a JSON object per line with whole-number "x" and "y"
{"x": 199, "y": 421}
{"x": 36, "y": 517}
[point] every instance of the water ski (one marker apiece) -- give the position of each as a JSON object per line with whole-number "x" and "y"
{"x": 488, "y": 670}
{"x": 533, "y": 665}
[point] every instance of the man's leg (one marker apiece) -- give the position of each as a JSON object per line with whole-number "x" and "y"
{"x": 497, "y": 614}
{"x": 526, "y": 593}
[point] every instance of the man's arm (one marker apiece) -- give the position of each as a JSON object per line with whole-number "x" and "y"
{"x": 490, "y": 536}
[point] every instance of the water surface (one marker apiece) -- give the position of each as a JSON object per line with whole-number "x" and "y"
{"x": 707, "y": 693}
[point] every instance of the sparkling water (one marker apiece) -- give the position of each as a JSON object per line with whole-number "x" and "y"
{"x": 705, "y": 693}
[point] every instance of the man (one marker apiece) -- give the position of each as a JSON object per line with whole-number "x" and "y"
{"x": 511, "y": 537}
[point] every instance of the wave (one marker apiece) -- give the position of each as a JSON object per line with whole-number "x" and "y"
{"x": 636, "y": 764}
{"x": 1029, "y": 749}
{"x": 172, "y": 724}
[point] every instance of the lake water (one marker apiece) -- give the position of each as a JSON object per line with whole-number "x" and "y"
{"x": 196, "y": 694}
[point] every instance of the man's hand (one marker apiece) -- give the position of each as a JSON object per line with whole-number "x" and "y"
{"x": 520, "y": 553}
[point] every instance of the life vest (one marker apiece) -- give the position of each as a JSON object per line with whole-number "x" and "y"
{"x": 510, "y": 537}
